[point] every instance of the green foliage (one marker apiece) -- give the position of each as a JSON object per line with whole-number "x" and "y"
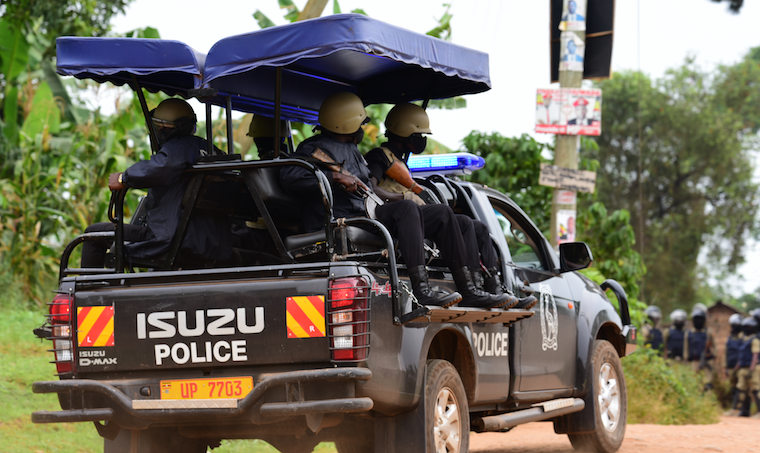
{"x": 614, "y": 245}
{"x": 512, "y": 167}
{"x": 443, "y": 29}
{"x": 666, "y": 393}
{"x": 698, "y": 130}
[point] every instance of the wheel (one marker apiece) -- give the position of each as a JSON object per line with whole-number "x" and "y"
{"x": 447, "y": 417}
{"x": 610, "y": 399}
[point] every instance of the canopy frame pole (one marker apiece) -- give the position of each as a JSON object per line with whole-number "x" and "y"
{"x": 144, "y": 105}
{"x": 230, "y": 132}
{"x": 209, "y": 130}
{"x": 277, "y": 109}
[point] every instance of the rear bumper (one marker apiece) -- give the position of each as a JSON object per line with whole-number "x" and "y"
{"x": 143, "y": 412}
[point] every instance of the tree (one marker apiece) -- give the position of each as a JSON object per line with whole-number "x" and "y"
{"x": 698, "y": 130}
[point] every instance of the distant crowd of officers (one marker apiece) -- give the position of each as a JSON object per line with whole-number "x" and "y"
{"x": 695, "y": 346}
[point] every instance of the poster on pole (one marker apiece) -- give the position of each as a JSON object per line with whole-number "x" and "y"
{"x": 573, "y": 50}
{"x": 569, "y": 111}
{"x": 573, "y": 15}
{"x": 565, "y": 226}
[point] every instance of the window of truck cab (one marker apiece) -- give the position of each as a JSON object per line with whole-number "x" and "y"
{"x": 523, "y": 240}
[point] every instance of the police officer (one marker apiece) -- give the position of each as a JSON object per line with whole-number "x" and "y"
{"x": 261, "y": 130}
{"x": 651, "y": 330}
{"x": 698, "y": 346}
{"x": 341, "y": 116}
{"x": 733, "y": 345}
{"x": 749, "y": 372}
{"x": 675, "y": 335}
{"x": 207, "y": 238}
{"x": 405, "y": 126}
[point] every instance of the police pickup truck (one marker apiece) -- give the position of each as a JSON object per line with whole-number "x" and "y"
{"x": 316, "y": 337}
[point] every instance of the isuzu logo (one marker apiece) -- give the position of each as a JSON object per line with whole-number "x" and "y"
{"x": 214, "y": 322}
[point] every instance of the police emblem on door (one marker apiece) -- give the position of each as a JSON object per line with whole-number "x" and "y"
{"x": 549, "y": 318}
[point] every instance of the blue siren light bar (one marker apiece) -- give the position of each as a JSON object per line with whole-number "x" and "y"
{"x": 447, "y": 164}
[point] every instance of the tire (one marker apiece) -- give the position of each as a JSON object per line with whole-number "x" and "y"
{"x": 608, "y": 385}
{"x": 447, "y": 416}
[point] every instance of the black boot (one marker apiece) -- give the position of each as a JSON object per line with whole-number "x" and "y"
{"x": 425, "y": 294}
{"x": 744, "y": 404}
{"x": 472, "y": 296}
{"x": 492, "y": 283}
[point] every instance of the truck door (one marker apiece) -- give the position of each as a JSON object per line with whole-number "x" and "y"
{"x": 545, "y": 344}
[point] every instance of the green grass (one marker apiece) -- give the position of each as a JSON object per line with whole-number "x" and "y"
{"x": 24, "y": 360}
{"x": 666, "y": 393}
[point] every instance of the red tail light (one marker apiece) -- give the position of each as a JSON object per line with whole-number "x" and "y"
{"x": 348, "y": 318}
{"x": 59, "y": 320}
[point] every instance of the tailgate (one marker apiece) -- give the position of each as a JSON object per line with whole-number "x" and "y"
{"x": 198, "y": 325}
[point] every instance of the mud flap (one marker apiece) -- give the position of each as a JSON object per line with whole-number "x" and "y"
{"x": 579, "y": 422}
{"x": 404, "y": 433}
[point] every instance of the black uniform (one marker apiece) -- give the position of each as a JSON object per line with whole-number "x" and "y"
{"x": 206, "y": 237}
{"x": 406, "y": 221}
{"x": 475, "y": 233}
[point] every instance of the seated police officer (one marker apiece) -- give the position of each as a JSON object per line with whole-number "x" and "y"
{"x": 405, "y": 126}
{"x": 207, "y": 238}
{"x": 341, "y": 117}
{"x": 261, "y": 130}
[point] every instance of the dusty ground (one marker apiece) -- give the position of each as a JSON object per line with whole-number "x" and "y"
{"x": 734, "y": 435}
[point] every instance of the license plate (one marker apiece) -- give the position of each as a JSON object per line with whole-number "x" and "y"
{"x": 205, "y": 389}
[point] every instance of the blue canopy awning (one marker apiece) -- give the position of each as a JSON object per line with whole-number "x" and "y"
{"x": 159, "y": 65}
{"x": 379, "y": 62}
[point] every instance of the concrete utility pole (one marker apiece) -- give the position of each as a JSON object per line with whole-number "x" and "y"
{"x": 566, "y": 152}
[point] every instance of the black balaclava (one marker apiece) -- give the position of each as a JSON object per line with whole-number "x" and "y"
{"x": 185, "y": 126}
{"x": 265, "y": 147}
{"x": 417, "y": 143}
{"x": 678, "y": 324}
{"x": 698, "y": 321}
{"x": 735, "y": 329}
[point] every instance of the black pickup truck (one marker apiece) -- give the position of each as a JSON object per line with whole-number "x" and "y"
{"x": 316, "y": 336}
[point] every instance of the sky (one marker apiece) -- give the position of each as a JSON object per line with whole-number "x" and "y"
{"x": 651, "y": 35}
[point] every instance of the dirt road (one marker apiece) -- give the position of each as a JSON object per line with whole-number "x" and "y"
{"x": 734, "y": 435}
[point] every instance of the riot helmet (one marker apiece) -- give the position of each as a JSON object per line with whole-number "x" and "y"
{"x": 698, "y": 317}
{"x": 700, "y": 306}
{"x": 756, "y": 314}
{"x": 173, "y": 118}
{"x": 408, "y": 122}
{"x": 749, "y": 325}
{"x": 653, "y": 313}
{"x": 407, "y": 119}
{"x": 735, "y": 321}
{"x": 261, "y": 130}
{"x": 678, "y": 318}
{"x": 342, "y": 113}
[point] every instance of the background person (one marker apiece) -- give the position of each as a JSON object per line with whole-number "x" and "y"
{"x": 733, "y": 345}
{"x": 698, "y": 347}
{"x": 675, "y": 335}
{"x": 748, "y": 383}
{"x": 651, "y": 331}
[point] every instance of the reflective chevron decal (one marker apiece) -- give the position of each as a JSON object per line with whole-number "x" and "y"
{"x": 95, "y": 326}
{"x": 306, "y": 316}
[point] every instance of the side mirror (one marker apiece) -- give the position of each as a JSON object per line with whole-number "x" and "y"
{"x": 574, "y": 256}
